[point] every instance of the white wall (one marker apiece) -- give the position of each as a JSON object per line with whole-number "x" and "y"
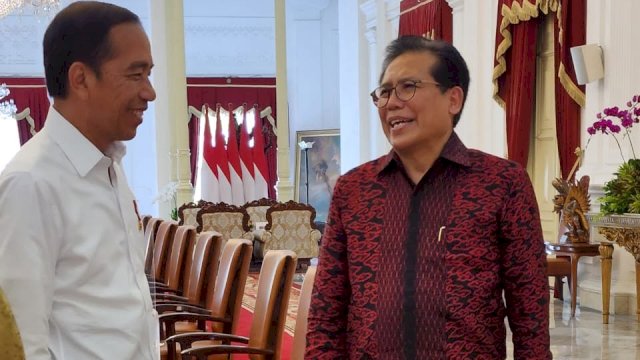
{"x": 230, "y": 38}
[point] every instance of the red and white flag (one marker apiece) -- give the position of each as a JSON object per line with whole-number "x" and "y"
{"x": 246, "y": 158}
{"x": 222, "y": 163}
{"x": 259, "y": 159}
{"x": 235, "y": 170}
{"x": 207, "y": 187}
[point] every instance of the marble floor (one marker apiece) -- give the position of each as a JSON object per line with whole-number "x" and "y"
{"x": 585, "y": 337}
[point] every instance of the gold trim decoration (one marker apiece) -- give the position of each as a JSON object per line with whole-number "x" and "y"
{"x": 627, "y": 238}
{"x": 510, "y": 16}
{"x": 623, "y": 230}
{"x": 565, "y": 80}
{"x": 570, "y": 87}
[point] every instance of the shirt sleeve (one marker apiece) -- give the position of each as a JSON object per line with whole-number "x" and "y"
{"x": 27, "y": 259}
{"x": 524, "y": 265}
{"x": 327, "y": 320}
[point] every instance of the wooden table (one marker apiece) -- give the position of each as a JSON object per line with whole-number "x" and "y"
{"x": 573, "y": 251}
{"x": 623, "y": 230}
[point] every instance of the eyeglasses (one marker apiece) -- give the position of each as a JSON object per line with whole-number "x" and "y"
{"x": 405, "y": 90}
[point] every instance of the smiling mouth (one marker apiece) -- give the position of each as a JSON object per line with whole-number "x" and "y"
{"x": 396, "y": 123}
{"x": 138, "y": 113}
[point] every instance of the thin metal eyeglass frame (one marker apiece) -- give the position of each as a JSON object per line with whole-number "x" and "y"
{"x": 376, "y": 99}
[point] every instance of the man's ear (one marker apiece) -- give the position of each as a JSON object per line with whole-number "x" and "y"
{"x": 456, "y": 99}
{"x": 80, "y": 77}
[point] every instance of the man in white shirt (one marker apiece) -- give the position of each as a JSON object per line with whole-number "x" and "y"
{"x": 71, "y": 244}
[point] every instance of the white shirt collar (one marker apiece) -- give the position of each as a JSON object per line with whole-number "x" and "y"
{"x": 79, "y": 150}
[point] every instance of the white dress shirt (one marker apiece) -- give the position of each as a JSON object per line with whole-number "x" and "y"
{"x": 72, "y": 250}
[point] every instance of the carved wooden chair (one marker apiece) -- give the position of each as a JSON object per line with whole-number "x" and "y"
{"x": 290, "y": 226}
{"x": 187, "y": 212}
{"x": 267, "y": 326}
{"x": 231, "y": 221}
{"x": 257, "y": 209}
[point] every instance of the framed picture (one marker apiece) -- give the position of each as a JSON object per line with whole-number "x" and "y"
{"x": 317, "y": 168}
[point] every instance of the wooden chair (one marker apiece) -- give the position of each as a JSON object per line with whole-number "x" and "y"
{"x": 267, "y": 326}
{"x": 155, "y": 262}
{"x": 559, "y": 267}
{"x": 10, "y": 341}
{"x": 300, "y": 332}
{"x": 187, "y": 212}
{"x": 201, "y": 269}
{"x": 223, "y": 301}
{"x": 181, "y": 245}
{"x": 145, "y": 220}
{"x": 150, "y": 231}
{"x": 229, "y": 220}
{"x": 290, "y": 226}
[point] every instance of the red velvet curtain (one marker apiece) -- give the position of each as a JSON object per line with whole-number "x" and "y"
{"x": 517, "y": 89}
{"x": 29, "y": 93}
{"x": 430, "y": 18}
{"x": 570, "y": 31}
{"x": 514, "y": 73}
{"x": 257, "y": 92}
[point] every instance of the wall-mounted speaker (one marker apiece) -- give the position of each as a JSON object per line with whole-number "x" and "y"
{"x": 588, "y": 63}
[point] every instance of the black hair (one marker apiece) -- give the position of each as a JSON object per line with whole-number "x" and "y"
{"x": 450, "y": 70}
{"x": 80, "y": 32}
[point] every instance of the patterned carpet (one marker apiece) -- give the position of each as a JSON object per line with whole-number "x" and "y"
{"x": 251, "y": 290}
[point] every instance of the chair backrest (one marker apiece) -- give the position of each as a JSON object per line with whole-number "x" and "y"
{"x": 166, "y": 231}
{"x": 291, "y": 226}
{"x": 229, "y": 220}
{"x": 300, "y": 332}
{"x": 150, "y": 231}
{"x": 183, "y": 240}
{"x": 274, "y": 288}
{"x": 187, "y": 212}
{"x": 145, "y": 220}
{"x": 202, "y": 266}
{"x": 257, "y": 209}
{"x": 225, "y": 299}
{"x": 10, "y": 341}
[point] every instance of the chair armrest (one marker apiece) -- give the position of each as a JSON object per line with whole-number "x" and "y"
{"x": 316, "y": 235}
{"x": 224, "y": 349}
{"x": 169, "y": 321}
{"x": 248, "y": 235}
{"x": 187, "y": 316}
{"x": 170, "y": 297}
{"x": 266, "y": 236}
{"x": 181, "y": 308}
{"x": 157, "y": 283}
{"x": 159, "y": 290}
{"x": 185, "y": 340}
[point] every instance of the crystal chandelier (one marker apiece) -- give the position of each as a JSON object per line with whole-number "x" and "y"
{"x": 39, "y": 7}
{"x": 8, "y": 109}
